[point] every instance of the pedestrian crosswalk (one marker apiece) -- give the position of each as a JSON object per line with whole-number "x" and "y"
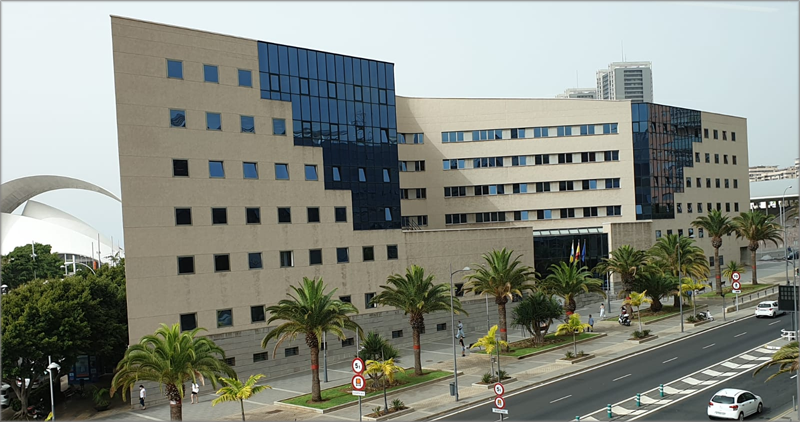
{"x": 694, "y": 383}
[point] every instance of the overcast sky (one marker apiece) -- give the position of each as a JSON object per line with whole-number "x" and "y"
{"x": 737, "y": 58}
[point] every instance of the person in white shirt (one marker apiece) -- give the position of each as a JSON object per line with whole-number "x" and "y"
{"x": 195, "y": 390}
{"x": 142, "y": 396}
{"x": 602, "y": 311}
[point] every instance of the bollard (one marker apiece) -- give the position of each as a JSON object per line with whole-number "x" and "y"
{"x": 609, "y": 412}
{"x": 638, "y": 399}
{"x": 577, "y": 418}
{"x": 661, "y": 389}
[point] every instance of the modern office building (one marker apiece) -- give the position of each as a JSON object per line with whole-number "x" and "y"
{"x": 246, "y": 166}
{"x": 765, "y": 173}
{"x": 626, "y": 81}
{"x": 585, "y": 93}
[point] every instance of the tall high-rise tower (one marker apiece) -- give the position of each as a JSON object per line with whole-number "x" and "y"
{"x": 626, "y": 81}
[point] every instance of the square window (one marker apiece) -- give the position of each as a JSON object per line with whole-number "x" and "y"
{"x": 210, "y": 73}
{"x": 279, "y": 126}
{"x": 315, "y": 257}
{"x": 253, "y": 215}
{"x": 248, "y": 124}
{"x": 180, "y": 168}
{"x": 362, "y": 174}
{"x": 369, "y": 253}
{"x": 254, "y": 261}
{"x": 342, "y": 255}
{"x": 287, "y": 259}
{"x": 222, "y": 262}
{"x": 281, "y": 171}
{"x": 260, "y": 357}
{"x": 188, "y": 322}
{"x": 291, "y": 351}
{"x": 313, "y": 214}
{"x": 340, "y": 214}
{"x": 216, "y": 170}
{"x": 368, "y": 300}
{"x": 174, "y": 69}
{"x": 245, "y": 78}
{"x": 177, "y": 118}
{"x": 213, "y": 121}
{"x": 391, "y": 252}
{"x": 185, "y": 265}
{"x": 337, "y": 174}
{"x": 348, "y": 342}
{"x": 257, "y": 314}
{"x": 183, "y": 216}
{"x": 219, "y": 216}
{"x": 284, "y": 215}
{"x": 250, "y": 170}
{"x": 224, "y": 318}
{"x": 311, "y": 172}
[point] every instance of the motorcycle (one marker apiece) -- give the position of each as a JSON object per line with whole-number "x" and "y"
{"x": 37, "y": 410}
{"x": 624, "y": 320}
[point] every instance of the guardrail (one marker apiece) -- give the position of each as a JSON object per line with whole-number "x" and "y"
{"x": 760, "y": 293}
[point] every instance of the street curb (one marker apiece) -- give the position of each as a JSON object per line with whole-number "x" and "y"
{"x": 784, "y": 415}
{"x": 599, "y": 335}
{"x": 390, "y": 415}
{"x": 653, "y": 321}
{"x": 643, "y": 340}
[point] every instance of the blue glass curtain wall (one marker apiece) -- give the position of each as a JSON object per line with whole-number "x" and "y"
{"x": 550, "y": 250}
{"x": 346, "y": 105}
{"x": 662, "y": 147}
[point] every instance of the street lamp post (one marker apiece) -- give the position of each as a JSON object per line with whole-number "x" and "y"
{"x": 453, "y": 325}
{"x": 680, "y": 282}
{"x": 50, "y": 368}
{"x": 783, "y": 224}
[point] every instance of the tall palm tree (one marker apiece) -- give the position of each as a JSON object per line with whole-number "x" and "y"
{"x": 171, "y": 358}
{"x": 786, "y": 357}
{"x": 384, "y": 371}
{"x": 374, "y": 347}
{"x": 657, "y": 284}
{"x": 310, "y": 312}
{"x": 568, "y": 280}
{"x": 680, "y": 258}
{"x": 624, "y": 261}
{"x": 716, "y": 225}
{"x": 501, "y": 277}
{"x": 416, "y": 295}
{"x": 235, "y": 390}
{"x": 573, "y": 326}
{"x": 756, "y": 227}
{"x": 638, "y": 299}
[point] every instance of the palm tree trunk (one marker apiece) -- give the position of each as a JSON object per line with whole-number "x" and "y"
{"x": 753, "y": 260}
{"x": 639, "y": 316}
{"x": 176, "y": 411}
{"x": 417, "y": 352}
{"x": 574, "y": 344}
{"x": 676, "y": 300}
{"x": 242, "y": 403}
{"x": 719, "y": 268}
{"x": 316, "y": 394}
{"x": 385, "y": 400}
{"x": 501, "y": 313}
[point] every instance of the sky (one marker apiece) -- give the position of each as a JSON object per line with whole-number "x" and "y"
{"x": 737, "y": 58}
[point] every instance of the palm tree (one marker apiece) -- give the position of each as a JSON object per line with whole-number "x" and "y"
{"x": 690, "y": 285}
{"x": 786, "y": 357}
{"x": 416, "y": 295}
{"x": 171, "y": 358}
{"x": 624, "y": 261}
{"x": 235, "y": 390}
{"x": 567, "y": 280}
{"x": 489, "y": 342}
{"x": 637, "y": 300}
{"x": 383, "y": 370}
{"x": 501, "y": 277}
{"x": 657, "y": 284}
{"x": 756, "y": 227}
{"x": 679, "y": 257}
{"x": 535, "y": 313}
{"x": 716, "y": 225}
{"x": 573, "y": 326}
{"x": 310, "y": 312}
{"x": 375, "y": 347}
{"x": 733, "y": 267}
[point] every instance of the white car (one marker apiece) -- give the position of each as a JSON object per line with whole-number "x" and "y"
{"x": 4, "y": 399}
{"x": 768, "y": 308}
{"x": 730, "y": 403}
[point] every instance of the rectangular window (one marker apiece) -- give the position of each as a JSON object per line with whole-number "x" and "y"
{"x": 311, "y": 172}
{"x": 590, "y": 212}
{"x": 213, "y": 121}
{"x": 397, "y": 333}
{"x": 696, "y": 157}
{"x": 287, "y": 259}
{"x": 188, "y": 322}
{"x": 315, "y": 257}
{"x": 257, "y": 314}
{"x": 679, "y": 208}
{"x": 719, "y": 206}
{"x": 284, "y": 215}
{"x": 716, "y": 182}
{"x": 348, "y": 342}
{"x": 705, "y": 133}
{"x": 386, "y": 176}
{"x": 724, "y": 135}
{"x": 345, "y": 299}
{"x": 368, "y": 253}
{"x": 245, "y": 78}
{"x": 611, "y": 156}
{"x": 291, "y": 351}
{"x": 313, "y": 214}
{"x": 281, "y": 172}
{"x": 716, "y": 158}
{"x": 180, "y": 168}
{"x": 391, "y": 252}
{"x": 708, "y": 158}
{"x": 700, "y": 207}
{"x": 733, "y": 136}
{"x": 362, "y": 174}
{"x": 340, "y": 214}
{"x": 185, "y": 265}
{"x": 248, "y": 124}
{"x": 216, "y": 170}
{"x": 520, "y": 215}
{"x": 254, "y": 261}
{"x": 222, "y": 262}
{"x": 727, "y": 207}
{"x": 700, "y": 233}
{"x": 736, "y": 183}
{"x": 708, "y": 182}
{"x": 279, "y": 126}
{"x": 260, "y": 357}
{"x": 736, "y": 207}
{"x": 725, "y": 159}
{"x": 566, "y": 185}
{"x": 567, "y": 213}
{"x": 688, "y": 182}
{"x": 699, "y": 182}
{"x": 689, "y": 207}
{"x": 211, "y": 73}
{"x": 368, "y": 300}
{"x": 614, "y": 210}
{"x": 337, "y": 174}
{"x": 564, "y": 158}
{"x": 544, "y": 214}
{"x": 252, "y": 215}
{"x": 177, "y": 118}
{"x": 387, "y": 214}
{"x": 734, "y": 160}
{"x": 183, "y": 216}
{"x": 219, "y": 216}
{"x": 680, "y": 232}
{"x": 716, "y": 136}
{"x": 342, "y": 255}
{"x": 174, "y": 69}
{"x": 658, "y": 234}
{"x": 250, "y": 170}
{"x": 727, "y": 183}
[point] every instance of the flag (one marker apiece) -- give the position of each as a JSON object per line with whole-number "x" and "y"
{"x": 578, "y": 252}
{"x": 583, "y": 252}
{"x": 572, "y": 252}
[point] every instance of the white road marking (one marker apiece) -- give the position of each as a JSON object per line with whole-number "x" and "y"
{"x": 670, "y": 360}
{"x": 289, "y": 391}
{"x": 739, "y": 335}
{"x": 773, "y": 323}
{"x": 250, "y": 401}
{"x": 145, "y": 416}
{"x": 793, "y": 377}
{"x": 617, "y": 379}
{"x": 710, "y": 345}
{"x": 565, "y": 397}
{"x": 428, "y": 351}
{"x": 339, "y": 370}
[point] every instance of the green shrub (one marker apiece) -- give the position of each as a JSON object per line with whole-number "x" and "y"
{"x": 691, "y": 318}
{"x": 486, "y": 378}
{"x": 637, "y": 334}
{"x": 569, "y": 355}
{"x": 645, "y": 333}
{"x": 377, "y": 410}
{"x": 503, "y": 374}
{"x": 581, "y": 353}
{"x": 397, "y": 404}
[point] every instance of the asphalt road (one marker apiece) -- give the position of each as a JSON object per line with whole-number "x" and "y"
{"x": 587, "y": 392}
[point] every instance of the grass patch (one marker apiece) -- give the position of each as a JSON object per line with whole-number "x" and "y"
{"x": 648, "y": 315}
{"x": 524, "y": 347}
{"x": 336, "y": 396}
{"x": 746, "y": 289}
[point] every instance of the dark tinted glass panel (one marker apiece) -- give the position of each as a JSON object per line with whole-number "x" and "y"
{"x": 246, "y": 78}
{"x": 278, "y": 127}
{"x": 188, "y": 322}
{"x": 284, "y": 215}
{"x": 313, "y": 215}
{"x": 391, "y": 252}
{"x": 219, "y": 216}
{"x": 222, "y": 262}
{"x": 183, "y": 216}
{"x": 210, "y": 73}
{"x": 174, "y": 69}
{"x": 180, "y": 168}
{"x": 315, "y": 257}
{"x": 253, "y": 215}
{"x": 213, "y": 121}
{"x": 248, "y": 124}
{"x": 254, "y": 260}
{"x": 342, "y": 255}
{"x": 369, "y": 253}
{"x": 185, "y": 265}
{"x": 340, "y": 214}
{"x": 177, "y": 118}
{"x": 257, "y": 314}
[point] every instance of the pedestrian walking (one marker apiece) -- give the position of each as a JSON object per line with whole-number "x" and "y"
{"x": 142, "y": 396}
{"x": 460, "y": 337}
{"x": 602, "y": 311}
{"x": 195, "y": 390}
{"x": 591, "y": 323}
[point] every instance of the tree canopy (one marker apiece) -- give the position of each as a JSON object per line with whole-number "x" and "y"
{"x": 20, "y": 267}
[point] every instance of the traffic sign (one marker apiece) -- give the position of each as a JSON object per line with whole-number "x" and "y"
{"x": 503, "y": 411}
{"x": 499, "y": 389}
{"x": 357, "y": 365}
{"x": 736, "y": 287}
{"x": 735, "y": 276}
{"x": 499, "y": 402}
{"x": 361, "y": 393}
{"x": 357, "y": 382}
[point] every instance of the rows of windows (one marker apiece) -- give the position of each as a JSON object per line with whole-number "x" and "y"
{"x": 286, "y": 259}
{"x": 410, "y": 138}
{"x": 716, "y": 158}
{"x": 414, "y": 220}
{"x": 219, "y": 215}
{"x": 216, "y": 170}
{"x": 528, "y": 133}
{"x": 418, "y": 193}
{"x": 564, "y": 185}
{"x": 487, "y": 217}
{"x": 524, "y": 160}
{"x": 699, "y": 183}
{"x": 210, "y": 73}
{"x": 716, "y": 134}
{"x": 177, "y": 119}
{"x": 689, "y": 208}
{"x": 406, "y": 166}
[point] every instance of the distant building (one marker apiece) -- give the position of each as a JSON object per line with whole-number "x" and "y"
{"x": 764, "y": 173}
{"x": 589, "y": 93}
{"x": 626, "y": 81}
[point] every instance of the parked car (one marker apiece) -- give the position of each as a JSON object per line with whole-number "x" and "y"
{"x": 768, "y": 308}
{"x": 5, "y": 400}
{"x": 730, "y": 403}
{"x": 793, "y": 255}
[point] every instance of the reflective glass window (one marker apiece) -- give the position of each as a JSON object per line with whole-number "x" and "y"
{"x": 362, "y": 174}
{"x": 250, "y": 170}
{"x": 248, "y": 124}
{"x": 342, "y": 255}
{"x": 213, "y": 121}
{"x": 185, "y": 265}
{"x": 245, "y": 78}
{"x": 386, "y": 176}
{"x": 311, "y": 172}
{"x": 216, "y": 169}
{"x": 177, "y": 118}
{"x": 282, "y": 171}
{"x": 210, "y": 73}
{"x": 337, "y": 176}
{"x": 174, "y": 69}
{"x": 279, "y": 126}
{"x": 180, "y": 168}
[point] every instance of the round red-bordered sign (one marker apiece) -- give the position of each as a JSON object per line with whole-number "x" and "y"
{"x": 358, "y": 382}
{"x": 736, "y": 285}
{"x": 499, "y": 402}
{"x": 357, "y": 365}
{"x": 499, "y": 389}
{"x": 735, "y": 276}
